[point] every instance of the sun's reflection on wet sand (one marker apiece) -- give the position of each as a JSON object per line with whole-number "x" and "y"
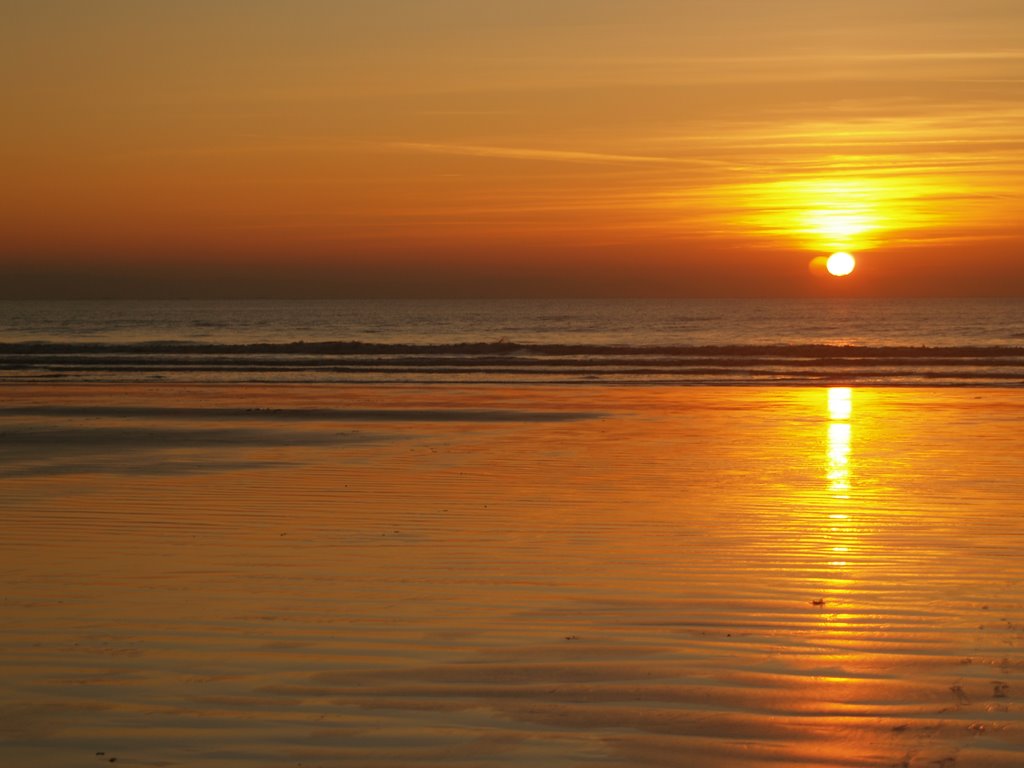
{"x": 838, "y": 472}
{"x": 840, "y": 528}
{"x": 840, "y": 403}
{"x": 840, "y": 412}
{"x": 839, "y": 624}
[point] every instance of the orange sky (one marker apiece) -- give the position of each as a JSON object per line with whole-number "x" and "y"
{"x": 535, "y": 148}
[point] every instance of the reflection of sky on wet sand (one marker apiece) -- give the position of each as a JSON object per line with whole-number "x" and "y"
{"x": 717, "y": 573}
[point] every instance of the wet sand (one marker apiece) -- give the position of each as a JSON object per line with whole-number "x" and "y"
{"x": 558, "y": 576}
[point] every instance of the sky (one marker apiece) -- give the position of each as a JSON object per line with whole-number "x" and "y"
{"x": 322, "y": 148}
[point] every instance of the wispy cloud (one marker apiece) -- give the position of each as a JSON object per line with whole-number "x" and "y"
{"x": 530, "y": 153}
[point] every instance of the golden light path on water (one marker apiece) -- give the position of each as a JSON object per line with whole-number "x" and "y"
{"x": 558, "y": 576}
{"x": 840, "y": 409}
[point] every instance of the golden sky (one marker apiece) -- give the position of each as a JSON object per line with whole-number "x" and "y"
{"x": 541, "y": 147}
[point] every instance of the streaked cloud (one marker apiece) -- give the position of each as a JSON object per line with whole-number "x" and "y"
{"x": 530, "y": 153}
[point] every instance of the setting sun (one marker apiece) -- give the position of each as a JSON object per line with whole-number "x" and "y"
{"x": 840, "y": 264}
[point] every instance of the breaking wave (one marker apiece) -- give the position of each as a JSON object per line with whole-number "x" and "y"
{"x": 508, "y": 361}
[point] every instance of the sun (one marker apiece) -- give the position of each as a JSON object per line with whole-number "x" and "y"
{"x": 840, "y": 264}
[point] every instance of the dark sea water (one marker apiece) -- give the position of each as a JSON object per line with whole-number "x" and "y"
{"x": 726, "y": 341}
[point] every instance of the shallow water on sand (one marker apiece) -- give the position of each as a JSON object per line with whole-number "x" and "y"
{"x": 395, "y": 576}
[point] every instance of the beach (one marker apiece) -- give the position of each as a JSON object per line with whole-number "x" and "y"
{"x": 320, "y": 575}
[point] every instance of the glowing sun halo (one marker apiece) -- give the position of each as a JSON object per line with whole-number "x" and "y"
{"x": 840, "y": 264}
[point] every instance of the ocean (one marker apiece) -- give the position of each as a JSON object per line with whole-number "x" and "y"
{"x": 938, "y": 342}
